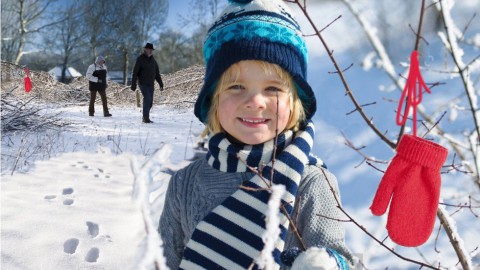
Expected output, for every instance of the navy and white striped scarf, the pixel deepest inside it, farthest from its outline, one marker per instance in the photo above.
(230, 237)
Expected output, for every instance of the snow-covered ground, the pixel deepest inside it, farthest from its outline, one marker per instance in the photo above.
(74, 210)
(68, 202)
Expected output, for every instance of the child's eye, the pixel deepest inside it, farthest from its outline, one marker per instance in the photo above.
(274, 89)
(236, 87)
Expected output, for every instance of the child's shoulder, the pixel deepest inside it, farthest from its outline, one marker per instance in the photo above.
(192, 167)
(319, 177)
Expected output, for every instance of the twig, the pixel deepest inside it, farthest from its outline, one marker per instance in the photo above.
(294, 228)
(364, 105)
(434, 125)
(465, 80)
(455, 242)
(340, 73)
(417, 45)
(358, 150)
(351, 219)
(464, 205)
(343, 70)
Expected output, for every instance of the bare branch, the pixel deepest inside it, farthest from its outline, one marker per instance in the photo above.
(343, 70)
(340, 73)
(351, 219)
(434, 125)
(364, 105)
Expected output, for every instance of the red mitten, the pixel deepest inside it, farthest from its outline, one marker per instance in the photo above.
(412, 181)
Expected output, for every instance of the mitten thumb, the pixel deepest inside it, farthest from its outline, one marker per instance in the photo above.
(387, 185)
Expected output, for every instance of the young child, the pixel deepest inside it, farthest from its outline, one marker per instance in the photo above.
(255, 88)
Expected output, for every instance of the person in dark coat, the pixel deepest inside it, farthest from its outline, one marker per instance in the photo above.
(147, 72)
(97, 80)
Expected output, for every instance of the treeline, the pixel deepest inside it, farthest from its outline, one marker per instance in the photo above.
(45, 33)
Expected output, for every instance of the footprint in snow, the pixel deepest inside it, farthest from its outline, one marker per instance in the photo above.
(92, 255)
(93, 229)
(65, 192)
(70, 246)
(68, 202)
(102, 174)
(68, 191)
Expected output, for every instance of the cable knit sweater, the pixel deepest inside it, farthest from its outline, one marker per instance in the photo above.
(198, 188)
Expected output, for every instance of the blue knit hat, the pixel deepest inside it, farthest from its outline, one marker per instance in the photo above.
(255, 30)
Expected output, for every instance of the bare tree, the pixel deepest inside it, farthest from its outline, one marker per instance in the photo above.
(132, 23)
(201, 14)
(23, 19)
(94, 25)
(152, 15)
(174, 50)
(67, 37)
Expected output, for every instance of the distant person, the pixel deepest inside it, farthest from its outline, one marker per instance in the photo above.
(97, 77)
(147, 72)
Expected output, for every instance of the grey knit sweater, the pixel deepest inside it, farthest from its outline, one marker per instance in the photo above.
(197, 189)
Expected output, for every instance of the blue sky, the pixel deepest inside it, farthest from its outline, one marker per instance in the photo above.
(176, 7)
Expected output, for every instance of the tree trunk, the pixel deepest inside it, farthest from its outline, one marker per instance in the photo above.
(22, 35)
(125, 68)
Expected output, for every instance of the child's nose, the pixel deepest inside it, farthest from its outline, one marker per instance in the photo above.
(255, 100)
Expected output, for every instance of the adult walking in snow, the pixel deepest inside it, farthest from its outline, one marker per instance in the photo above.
(97, 79)
(147, 72)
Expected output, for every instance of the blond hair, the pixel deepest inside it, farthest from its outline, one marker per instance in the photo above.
(297, 112)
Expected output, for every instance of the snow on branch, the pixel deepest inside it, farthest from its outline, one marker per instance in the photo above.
(272, 233)
(371, 33)
(144, 174)
(450, 40)
(450, 226)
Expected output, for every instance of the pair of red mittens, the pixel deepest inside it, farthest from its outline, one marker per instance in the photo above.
(412, 182)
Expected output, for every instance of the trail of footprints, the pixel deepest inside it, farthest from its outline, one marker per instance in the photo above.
(66, 196)
(97, 172)
(70, 245)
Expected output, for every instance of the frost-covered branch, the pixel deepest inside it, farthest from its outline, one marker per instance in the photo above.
(387, 66)
(380, 242)
(349, 92)
(152, 254)
(23, 114)
(449, 39)
(272, 226)
(457, 242)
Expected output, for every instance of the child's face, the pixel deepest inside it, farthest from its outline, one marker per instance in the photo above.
(247, 108)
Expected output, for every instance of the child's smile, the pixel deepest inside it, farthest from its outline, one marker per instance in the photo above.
(247, 107)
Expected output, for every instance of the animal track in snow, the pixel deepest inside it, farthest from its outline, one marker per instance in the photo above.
(68, 202)
(70, 246)
(92, 229)
(102, 174)
(92, 255)
(65, 192)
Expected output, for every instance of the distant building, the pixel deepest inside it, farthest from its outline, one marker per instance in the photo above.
(70, 73)
(117, 76)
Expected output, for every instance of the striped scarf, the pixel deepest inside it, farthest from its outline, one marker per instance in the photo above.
(230, 237)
